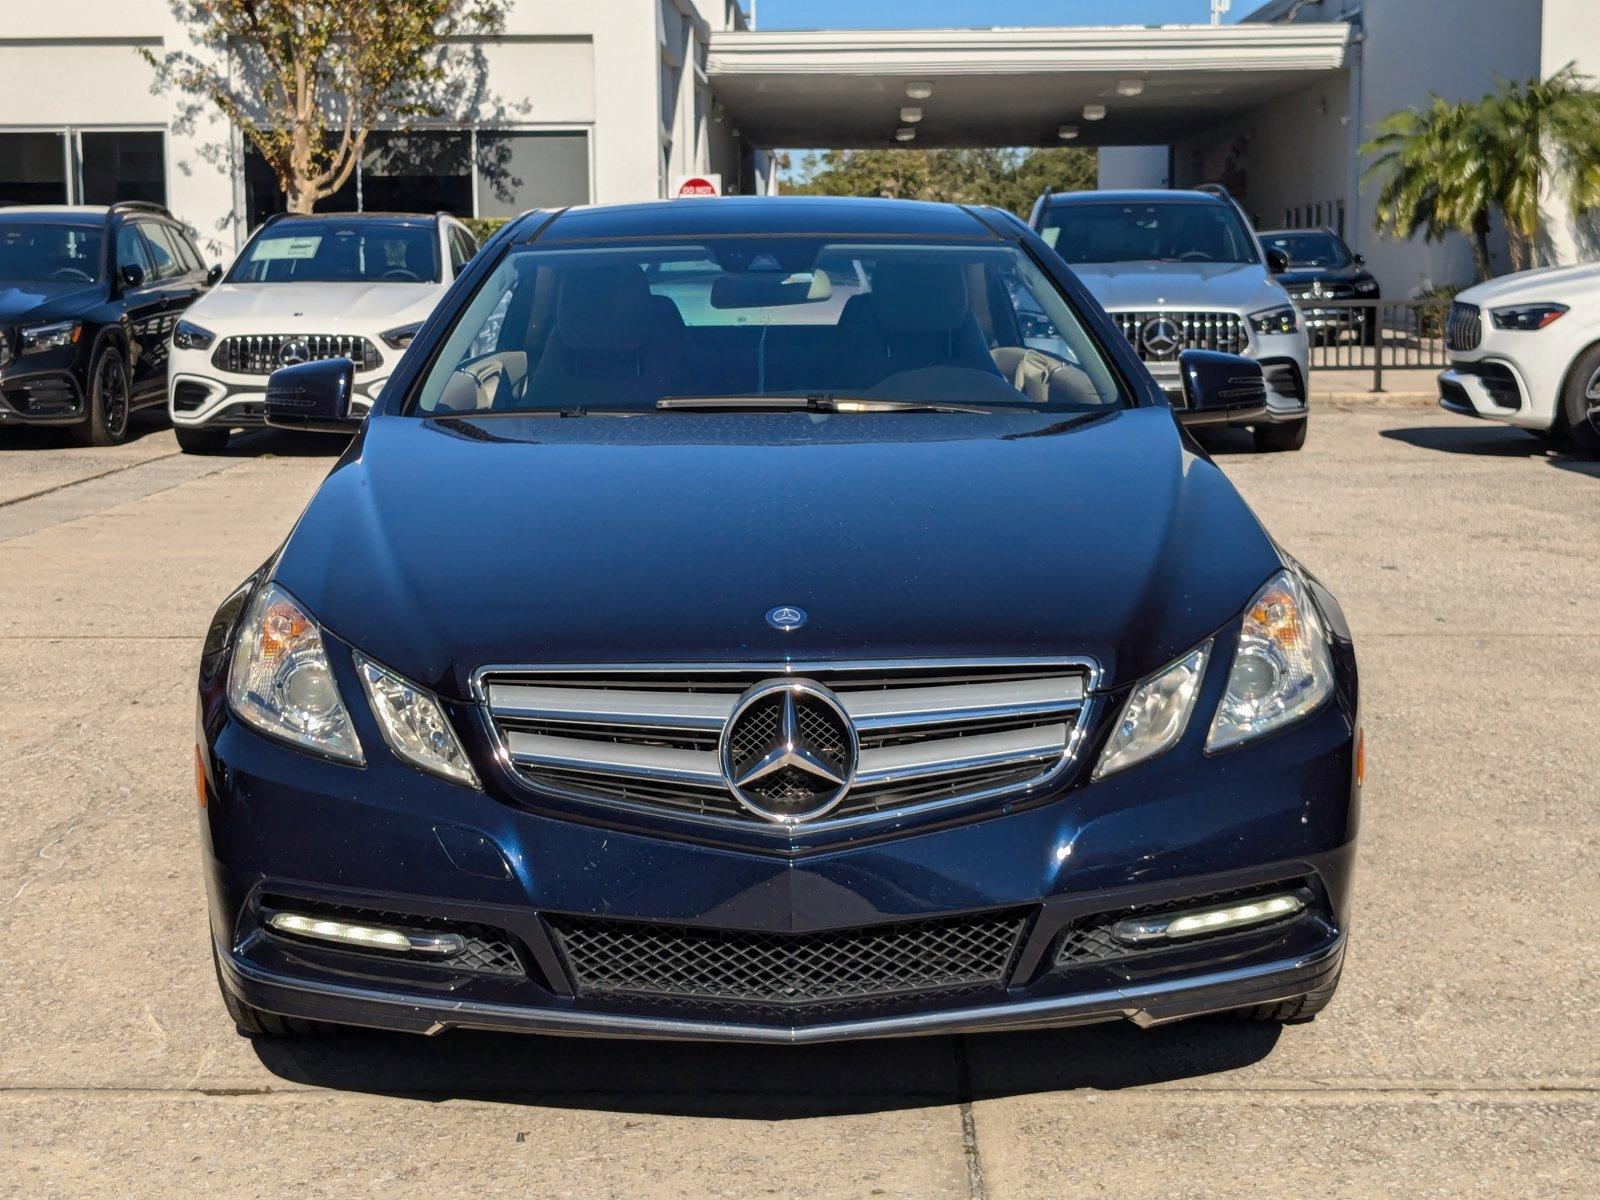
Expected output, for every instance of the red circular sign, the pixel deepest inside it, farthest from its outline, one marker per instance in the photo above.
(697, 186)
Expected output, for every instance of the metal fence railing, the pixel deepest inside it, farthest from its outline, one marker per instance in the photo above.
(1374, 335)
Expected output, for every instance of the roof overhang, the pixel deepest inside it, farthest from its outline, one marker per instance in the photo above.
(1011, 87)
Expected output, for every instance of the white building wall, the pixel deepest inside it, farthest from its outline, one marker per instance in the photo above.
(1571, 34)
(1133, 167)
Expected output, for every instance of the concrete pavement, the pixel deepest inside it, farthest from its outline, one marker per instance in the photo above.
(1458, 1060)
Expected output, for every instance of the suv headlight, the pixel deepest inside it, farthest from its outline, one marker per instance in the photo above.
(1283, 319)
(1282, 667)
(399, 339)
(1366, 285)
(280, 682)
(414, 724)
(1156, 714)
(189, 336)
(55, 336)
(1526, 317)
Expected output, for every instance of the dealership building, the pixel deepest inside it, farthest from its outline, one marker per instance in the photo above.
(600, 101)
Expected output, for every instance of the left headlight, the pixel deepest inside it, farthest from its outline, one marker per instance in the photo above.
(55, 336)
(279, 680)
(189, 336)
(414, 724)
(1283, 319)
(1282, 667)
(1156, 714)
(1526, 317)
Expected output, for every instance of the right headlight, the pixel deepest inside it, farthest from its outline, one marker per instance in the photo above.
(1283, 319)
(279, 680)
(414, 724)
(1282, 667)
(1156, 713)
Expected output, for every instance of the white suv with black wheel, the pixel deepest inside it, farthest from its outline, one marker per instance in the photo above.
(345, 285)
(1184, 270)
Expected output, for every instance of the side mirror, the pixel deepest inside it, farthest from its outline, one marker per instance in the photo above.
(1277, 261)
(313, 396)
(132, 275)
(1360, 260)
(214, 274)
(1222, 387)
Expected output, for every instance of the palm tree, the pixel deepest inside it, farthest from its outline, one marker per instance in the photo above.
(1432, 176)
(1522, 127)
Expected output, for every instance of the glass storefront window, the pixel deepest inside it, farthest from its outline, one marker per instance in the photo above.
(123, 165)
(33, 168)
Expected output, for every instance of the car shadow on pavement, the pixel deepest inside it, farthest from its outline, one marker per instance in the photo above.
(764, 1083)
(57, 437)
(1492, 441)
(279, 443)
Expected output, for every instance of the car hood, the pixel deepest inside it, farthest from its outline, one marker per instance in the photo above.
(1159, 285)
(1562, 284)
(314, 307)
(34, 301)
(440, 547)
(1296, 276)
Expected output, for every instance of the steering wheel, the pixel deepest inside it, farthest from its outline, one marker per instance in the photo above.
(1195, 256)
(402, 273)
(71, 275)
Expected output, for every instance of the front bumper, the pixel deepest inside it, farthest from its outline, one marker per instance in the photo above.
(33, 394)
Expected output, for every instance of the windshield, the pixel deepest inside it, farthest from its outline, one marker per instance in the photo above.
(340, 251)
(749, 319)
(49, 252)
(1163, 231)
(1310, 249)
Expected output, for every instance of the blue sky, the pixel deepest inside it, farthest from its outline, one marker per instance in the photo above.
(906, 14)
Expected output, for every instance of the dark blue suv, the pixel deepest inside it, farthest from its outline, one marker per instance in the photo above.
(735, 621)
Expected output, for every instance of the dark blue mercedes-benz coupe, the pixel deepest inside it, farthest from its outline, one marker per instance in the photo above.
(775, 620)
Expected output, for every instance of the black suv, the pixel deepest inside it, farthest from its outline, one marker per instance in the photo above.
(88, 299)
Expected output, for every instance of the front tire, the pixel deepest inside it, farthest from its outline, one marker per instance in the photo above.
(1582, 390)
(203, 439)
(1290, 435)
(110, 400)
(1295, 1011)
(255, 1022)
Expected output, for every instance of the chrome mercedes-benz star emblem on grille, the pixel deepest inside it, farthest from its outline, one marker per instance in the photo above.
(294, 352)
(786, 617)
(1161, 336)
(789, 750)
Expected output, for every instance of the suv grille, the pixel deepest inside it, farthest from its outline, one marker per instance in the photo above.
(1463, 328)
(1147, 333)
(627, 958)
(262, 354)
(652, 737)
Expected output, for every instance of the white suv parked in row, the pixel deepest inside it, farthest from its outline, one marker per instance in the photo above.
(1525, 349)
(337, 285)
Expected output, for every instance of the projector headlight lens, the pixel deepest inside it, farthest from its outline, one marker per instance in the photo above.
(414, 724)
(280, 682)
(1155, 715)
(1527, 317)
(1275, 320)
(1282, 667)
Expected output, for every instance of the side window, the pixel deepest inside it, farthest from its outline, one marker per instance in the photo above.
(131, 252)
(163, 246)
(188, 251)
(461, 249)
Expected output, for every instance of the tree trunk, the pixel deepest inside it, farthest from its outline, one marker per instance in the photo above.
(1480, 245)
(1521, 247)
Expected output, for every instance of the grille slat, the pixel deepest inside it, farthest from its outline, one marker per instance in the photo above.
(1223, 331)
(1463, 327)
(926, 733)
(623, 958)
(261, 354)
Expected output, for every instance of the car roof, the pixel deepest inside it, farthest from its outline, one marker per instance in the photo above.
(1134, 196)
(732, 215)
(74, 214)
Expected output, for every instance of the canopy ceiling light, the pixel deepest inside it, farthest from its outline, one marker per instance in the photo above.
(904, 134)
(1067, 132)
(1094, 112)
(1130, 87)
(911, 114)
(919, 91)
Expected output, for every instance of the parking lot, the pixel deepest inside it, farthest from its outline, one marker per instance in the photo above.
(1460, 1058)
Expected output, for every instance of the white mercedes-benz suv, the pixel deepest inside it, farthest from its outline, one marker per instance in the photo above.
(1184, 270)
(337, 285)
(1525, 349)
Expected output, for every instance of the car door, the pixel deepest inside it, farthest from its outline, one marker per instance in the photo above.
(180, 278)
(143, 307)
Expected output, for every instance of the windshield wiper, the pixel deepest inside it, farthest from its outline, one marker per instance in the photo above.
(815, 402)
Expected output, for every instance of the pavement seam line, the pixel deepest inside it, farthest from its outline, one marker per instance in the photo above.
(121, 503)
(72, 483)
(969, 1125)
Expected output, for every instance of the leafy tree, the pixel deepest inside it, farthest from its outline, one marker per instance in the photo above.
(306, 80)
(1449, 166)
(1007, 178)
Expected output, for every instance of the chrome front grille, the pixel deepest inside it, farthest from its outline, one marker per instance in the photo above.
(1463, 328)
(1223, 331)
(652, 737)
(262, 354)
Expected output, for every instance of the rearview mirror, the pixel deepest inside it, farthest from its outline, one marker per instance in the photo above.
(313, 396)
(1222, 387)
(1277, 261)
(770, 291)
